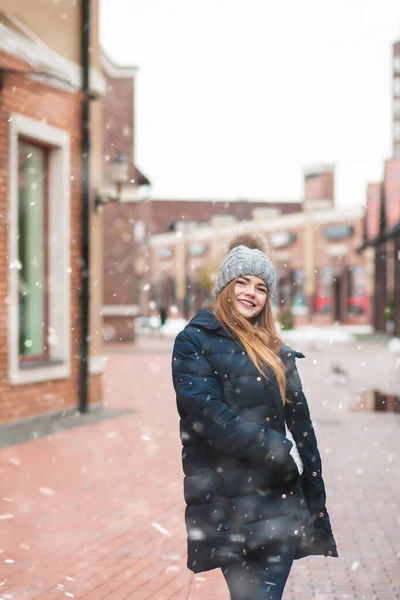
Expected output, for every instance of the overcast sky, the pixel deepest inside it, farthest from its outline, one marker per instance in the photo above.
(235, 97)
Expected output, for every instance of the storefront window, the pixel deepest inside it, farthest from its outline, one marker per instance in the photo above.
(357, 299)
(155, 294)
(283, 291)
(139, 292)
(299, 302)
(274, 302)
(323, 300)
(173, 298)
(32, 250)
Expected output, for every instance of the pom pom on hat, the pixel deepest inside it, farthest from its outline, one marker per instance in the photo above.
(246, 256)
(250, 239)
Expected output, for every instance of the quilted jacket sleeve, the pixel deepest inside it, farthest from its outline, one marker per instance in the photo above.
(199, 397)
(297, 414)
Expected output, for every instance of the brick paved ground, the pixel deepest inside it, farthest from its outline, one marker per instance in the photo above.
(97, 512)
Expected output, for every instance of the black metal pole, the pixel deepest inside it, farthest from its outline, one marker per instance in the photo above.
(85, 255)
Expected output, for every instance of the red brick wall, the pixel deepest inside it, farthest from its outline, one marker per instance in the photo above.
(392, 192)
(118, 106)
(119, 329)
(319, 186)
(374, 199)
(119, 253)
(62, 110)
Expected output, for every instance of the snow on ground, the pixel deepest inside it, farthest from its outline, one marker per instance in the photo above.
(394, 345)
(332, 334)
(173, 326)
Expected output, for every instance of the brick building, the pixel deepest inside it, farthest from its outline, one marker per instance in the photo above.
(320, 276)
(123, 230)
(128, 227)
(41, 199)
(381, 241)
(396, 100)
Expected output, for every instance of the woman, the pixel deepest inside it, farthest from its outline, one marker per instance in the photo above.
(253, 480)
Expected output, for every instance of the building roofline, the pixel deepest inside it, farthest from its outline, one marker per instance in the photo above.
(48, 67)
(269, 225)
(318, 169)
(115, 71)
(229, 200)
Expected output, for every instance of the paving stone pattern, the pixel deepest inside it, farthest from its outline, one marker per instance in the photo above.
(97, 512)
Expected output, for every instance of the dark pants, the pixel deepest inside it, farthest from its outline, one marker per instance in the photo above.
(262, 574)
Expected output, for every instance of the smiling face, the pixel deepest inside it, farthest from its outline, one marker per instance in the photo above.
(251, 295)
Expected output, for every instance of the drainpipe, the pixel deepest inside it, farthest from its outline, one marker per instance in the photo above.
(85, 256)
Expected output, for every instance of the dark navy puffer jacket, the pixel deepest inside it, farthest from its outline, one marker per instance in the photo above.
(235, 451)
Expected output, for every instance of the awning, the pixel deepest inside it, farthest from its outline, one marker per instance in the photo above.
(387, 235)
(141, 179)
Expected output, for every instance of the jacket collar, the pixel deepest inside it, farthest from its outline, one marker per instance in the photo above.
(205, 319)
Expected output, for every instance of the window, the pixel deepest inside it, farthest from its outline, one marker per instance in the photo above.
(299, 303)
(323, 300)
(396, 86)
(139, 284)
(338, 232)
(39, 252)
(155, 293)
(283, 290)
(163, 253)
(173, 297)
(396, 63)
(32, 250)
(396, 107)
(356, 297)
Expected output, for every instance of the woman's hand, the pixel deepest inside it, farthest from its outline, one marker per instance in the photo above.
(286, 475)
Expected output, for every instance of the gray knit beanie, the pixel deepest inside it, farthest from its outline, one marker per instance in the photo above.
(246, 256)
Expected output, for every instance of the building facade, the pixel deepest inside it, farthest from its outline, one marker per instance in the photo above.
(321, 278)
(124, 232)
(381, 244)
(396, 100)
(382, 226)
(41, 201)
(128, 227)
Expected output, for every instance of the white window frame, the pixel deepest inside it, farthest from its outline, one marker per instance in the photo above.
(58, 142)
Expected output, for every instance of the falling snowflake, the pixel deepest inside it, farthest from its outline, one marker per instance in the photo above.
(160, 528)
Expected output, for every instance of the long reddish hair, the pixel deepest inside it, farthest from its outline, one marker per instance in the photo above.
(259, 338)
